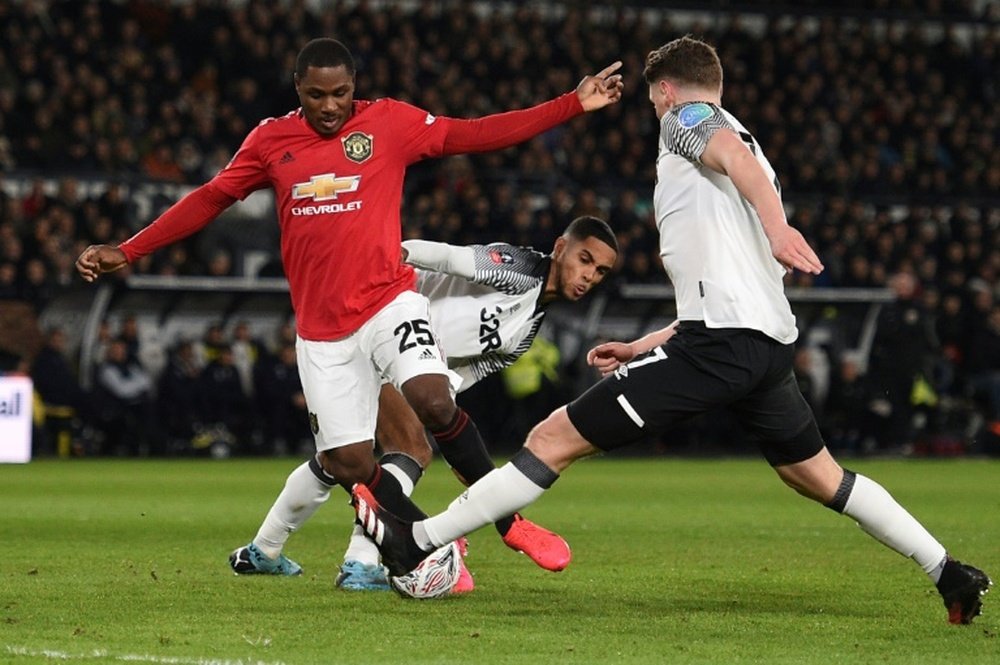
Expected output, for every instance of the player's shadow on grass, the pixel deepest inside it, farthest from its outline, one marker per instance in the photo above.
(596, 602)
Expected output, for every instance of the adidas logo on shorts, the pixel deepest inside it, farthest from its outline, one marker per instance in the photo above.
(427, 355)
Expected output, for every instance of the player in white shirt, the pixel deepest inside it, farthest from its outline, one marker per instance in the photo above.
(726, 245)
(487, 303)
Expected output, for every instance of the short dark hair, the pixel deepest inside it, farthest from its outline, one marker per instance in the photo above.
(587, 226)
(323, 52)
(687, 60)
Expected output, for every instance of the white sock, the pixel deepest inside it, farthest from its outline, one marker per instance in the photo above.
(878, 514)
(360, 547)
(302, 496)
(499, 493)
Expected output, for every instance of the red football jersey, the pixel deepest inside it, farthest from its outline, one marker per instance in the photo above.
(338, 200)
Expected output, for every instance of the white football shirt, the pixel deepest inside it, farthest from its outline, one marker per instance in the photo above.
(484, 302)
(712, 243)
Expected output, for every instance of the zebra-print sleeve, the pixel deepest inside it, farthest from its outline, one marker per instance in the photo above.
(509, 269)
(687, 129)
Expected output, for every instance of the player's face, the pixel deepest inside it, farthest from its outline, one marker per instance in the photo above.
(580, 265)
(326, 95)
(661, 97)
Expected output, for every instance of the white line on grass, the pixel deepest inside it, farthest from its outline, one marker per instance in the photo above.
(131, 657)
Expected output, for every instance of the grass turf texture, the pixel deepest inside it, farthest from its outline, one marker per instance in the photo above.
(674, 561)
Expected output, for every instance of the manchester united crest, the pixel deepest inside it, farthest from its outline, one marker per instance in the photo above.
(357, 146)
(313, 423)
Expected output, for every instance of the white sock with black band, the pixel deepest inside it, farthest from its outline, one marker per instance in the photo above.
(501, 492)
(881, 517)
(302, 496)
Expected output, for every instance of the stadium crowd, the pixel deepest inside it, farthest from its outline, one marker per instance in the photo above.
(881, 128)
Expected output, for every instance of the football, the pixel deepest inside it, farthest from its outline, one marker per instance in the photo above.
(433, 577)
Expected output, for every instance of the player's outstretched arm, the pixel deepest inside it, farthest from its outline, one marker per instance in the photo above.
(503, 130)
(180, 220)
(440, 257)
(99, 259)
(601, 89)
(726, 153)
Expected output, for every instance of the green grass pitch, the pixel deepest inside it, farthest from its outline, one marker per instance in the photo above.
(675, 561)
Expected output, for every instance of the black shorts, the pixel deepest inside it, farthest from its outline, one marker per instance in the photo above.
(700, 369)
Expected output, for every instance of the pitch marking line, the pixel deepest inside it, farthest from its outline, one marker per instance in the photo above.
(53, 654)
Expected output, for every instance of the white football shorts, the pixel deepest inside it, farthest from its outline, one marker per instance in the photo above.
(341, 379)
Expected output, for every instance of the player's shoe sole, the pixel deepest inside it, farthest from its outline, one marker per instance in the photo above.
(962, 588)
(545, 548)
(358, 576)
(249, 560)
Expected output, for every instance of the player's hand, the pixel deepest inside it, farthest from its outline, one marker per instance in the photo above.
(792, 251)
(601, 89)
(99, 259)
(608, 357)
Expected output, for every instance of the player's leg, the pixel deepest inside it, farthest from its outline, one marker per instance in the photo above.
(406, 453)
(657, 390)
(412, 359)
(613, 413)
(881, 516)
(803, 462)
(341, 388)
(503, 491)
(401, 344)
(465, 452)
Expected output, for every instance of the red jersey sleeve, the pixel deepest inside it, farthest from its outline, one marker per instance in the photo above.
(243, 175)
(415, 133)
(246, 172)
(191, 213)
(502, 130)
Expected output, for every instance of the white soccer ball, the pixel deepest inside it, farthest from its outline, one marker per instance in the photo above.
(433, 577)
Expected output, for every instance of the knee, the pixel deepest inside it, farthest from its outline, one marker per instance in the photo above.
(435, 410)
(817, 479)
(557, 443)
(348, 467)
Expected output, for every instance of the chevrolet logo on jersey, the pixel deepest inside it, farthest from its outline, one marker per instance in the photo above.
(325, 187)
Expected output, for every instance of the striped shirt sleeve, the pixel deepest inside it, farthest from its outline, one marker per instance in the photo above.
(508, 268)
(687, 129)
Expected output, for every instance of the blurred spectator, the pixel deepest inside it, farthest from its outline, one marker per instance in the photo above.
(984, 363)
(64, 403)
(222, 398)
(36, 288)
(282, 403)
(128, 333)
(247, 353)
(210, 347)
(123, 391)
(220, 264)
(846, 418)
(179, 396)
(901, 356)
(9, 289)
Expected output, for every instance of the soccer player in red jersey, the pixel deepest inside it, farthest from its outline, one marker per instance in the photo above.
(336, 166)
